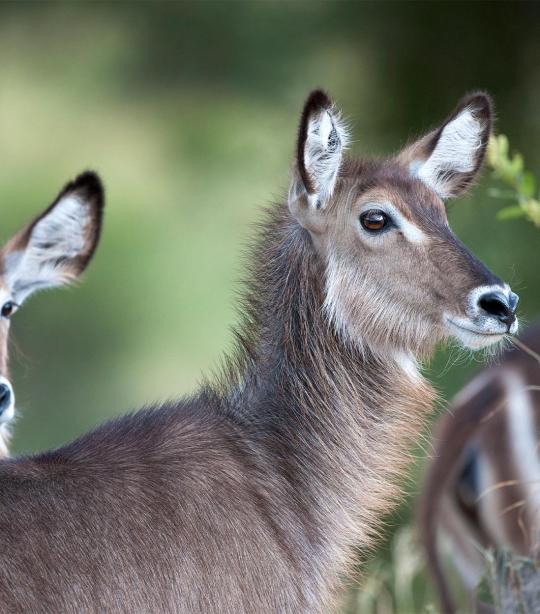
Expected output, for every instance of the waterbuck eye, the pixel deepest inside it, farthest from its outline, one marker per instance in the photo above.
(8, 309)
(374, 220)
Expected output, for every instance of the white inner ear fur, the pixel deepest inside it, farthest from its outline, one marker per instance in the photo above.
(323, 151)
(59, 236)
(456, 152)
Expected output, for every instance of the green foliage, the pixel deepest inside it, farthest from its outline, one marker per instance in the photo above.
(513, 583)
(510, 170)
(397, 585)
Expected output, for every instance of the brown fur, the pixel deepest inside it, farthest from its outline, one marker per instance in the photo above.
(252, 495)
(498, 517)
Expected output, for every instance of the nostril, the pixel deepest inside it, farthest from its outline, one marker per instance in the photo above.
(5, 397)
(496, 304)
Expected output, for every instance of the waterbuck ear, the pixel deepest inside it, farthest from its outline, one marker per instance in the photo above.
(58, 245)
(322, 137)
(449, 158)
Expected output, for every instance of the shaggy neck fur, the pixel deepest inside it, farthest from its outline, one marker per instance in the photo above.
(336, 422)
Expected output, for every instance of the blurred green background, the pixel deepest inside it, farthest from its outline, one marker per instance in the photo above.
(189, 112)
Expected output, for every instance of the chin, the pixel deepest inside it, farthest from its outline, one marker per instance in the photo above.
(477, 341)
(475, 336)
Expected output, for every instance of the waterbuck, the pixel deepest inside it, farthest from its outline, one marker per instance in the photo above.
(251, 495)
(483, 485)
(53, 250)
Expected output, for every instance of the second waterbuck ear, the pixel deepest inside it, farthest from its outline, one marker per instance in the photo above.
(322, 137)
(57, 246)
(449, 158)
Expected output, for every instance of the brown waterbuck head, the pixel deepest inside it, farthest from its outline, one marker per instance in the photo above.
(396, 275)
(53, 250)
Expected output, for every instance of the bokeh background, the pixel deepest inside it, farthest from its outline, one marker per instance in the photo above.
(189, 112)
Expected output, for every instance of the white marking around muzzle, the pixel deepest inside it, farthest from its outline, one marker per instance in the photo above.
(8, 413)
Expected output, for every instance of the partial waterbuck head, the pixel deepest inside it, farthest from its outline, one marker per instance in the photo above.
(397, 278)
(53, 250)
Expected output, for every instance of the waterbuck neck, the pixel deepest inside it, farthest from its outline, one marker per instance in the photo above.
(337, 418)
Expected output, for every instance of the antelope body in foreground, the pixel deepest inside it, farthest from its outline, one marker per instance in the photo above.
(53, 250)
(251, 495)
(483, 486)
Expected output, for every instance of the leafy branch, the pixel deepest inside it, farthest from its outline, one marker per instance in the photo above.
(510, 170)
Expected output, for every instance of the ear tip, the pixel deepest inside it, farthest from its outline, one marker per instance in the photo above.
(89, 185)
(481, 102)
(318, 99)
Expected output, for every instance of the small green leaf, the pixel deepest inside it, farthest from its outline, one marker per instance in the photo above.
(493, 152)
(516, 165)
(528, 185)
(502, 194)
(532, 208)
(511, 213)
(511, 172)
(503, 146)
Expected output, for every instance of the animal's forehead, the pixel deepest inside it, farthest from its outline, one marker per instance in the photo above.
(389, 182)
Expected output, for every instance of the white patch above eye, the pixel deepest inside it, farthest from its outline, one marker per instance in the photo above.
(456, 151)
(410, 231)
(5, 296)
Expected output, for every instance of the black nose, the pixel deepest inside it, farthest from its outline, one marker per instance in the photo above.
(5, 397)
(503, 308)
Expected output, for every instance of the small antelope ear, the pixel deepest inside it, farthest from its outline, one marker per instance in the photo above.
(58, 245)
(449, 158)
(322, 137)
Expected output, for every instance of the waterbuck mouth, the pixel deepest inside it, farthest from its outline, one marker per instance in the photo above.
(475, 337)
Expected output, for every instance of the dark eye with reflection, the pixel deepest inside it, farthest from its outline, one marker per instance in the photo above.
(8, 309)
(374, 220)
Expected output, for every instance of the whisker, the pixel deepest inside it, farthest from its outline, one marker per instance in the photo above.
(497, 486)
(513, 506)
